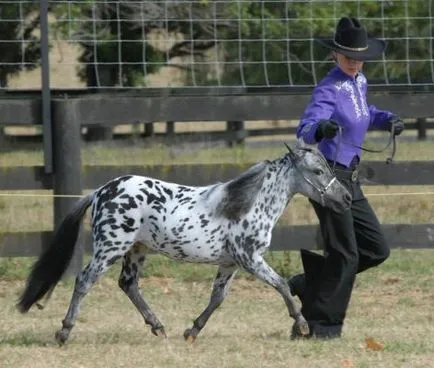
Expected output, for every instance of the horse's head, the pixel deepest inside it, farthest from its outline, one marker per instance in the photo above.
(315, 179)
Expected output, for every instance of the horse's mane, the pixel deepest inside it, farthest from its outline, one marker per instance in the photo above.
(240, 193)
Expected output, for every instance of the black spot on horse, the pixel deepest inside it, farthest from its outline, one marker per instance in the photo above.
(168, 192)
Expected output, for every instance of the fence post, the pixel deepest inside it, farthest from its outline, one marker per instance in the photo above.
(67, 169)
(421, 128)
(239, 132)
(148, 129)
(170, 129)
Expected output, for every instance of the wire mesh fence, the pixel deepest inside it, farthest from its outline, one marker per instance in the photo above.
(199, 43)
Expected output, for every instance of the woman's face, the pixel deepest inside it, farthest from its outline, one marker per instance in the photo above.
(349, 66)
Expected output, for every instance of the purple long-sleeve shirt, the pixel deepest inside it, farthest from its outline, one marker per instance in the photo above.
(343, 99)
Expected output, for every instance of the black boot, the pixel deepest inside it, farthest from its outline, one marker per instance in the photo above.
(317, 331)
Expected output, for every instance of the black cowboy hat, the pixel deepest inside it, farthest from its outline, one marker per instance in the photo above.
(351, 39)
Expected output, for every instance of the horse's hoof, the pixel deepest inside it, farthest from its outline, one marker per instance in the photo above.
(61, 336)
(159, 331)
(303, 327)
(189, 336)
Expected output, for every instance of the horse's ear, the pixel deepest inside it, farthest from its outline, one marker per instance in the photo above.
(292, 155)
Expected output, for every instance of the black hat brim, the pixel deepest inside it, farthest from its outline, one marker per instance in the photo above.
(375, 48)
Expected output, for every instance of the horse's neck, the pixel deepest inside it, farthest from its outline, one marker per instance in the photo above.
(276, 191)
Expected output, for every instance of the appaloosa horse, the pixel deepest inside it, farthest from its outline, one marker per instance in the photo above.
(227, 224)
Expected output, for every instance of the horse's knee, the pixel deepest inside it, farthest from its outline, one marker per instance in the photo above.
(125, 283)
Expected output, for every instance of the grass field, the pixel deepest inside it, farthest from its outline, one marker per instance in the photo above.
(390, 322)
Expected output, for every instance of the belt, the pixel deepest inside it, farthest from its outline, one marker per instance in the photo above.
(345, 173)
(352, 175)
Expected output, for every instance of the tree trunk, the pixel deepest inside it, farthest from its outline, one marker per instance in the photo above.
(99, 132)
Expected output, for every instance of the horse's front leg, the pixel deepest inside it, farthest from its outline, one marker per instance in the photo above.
(224, 277)
(256, 265)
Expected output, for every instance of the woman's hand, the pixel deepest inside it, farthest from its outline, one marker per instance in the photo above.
(326, 129)
(397, 124)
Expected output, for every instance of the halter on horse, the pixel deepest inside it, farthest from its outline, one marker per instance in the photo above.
(227, 224)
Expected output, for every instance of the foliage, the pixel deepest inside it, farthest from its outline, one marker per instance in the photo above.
(283, 61)
(18, 22)
(120, 62)
(261, 43)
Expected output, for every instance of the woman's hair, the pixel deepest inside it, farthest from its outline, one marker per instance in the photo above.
(333, 56)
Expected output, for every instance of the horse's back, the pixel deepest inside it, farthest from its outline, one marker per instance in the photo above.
(176, 220)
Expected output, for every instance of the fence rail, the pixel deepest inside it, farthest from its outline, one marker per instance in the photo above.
(71, 112)
(375, 172)
(284, 238)
(415, 236)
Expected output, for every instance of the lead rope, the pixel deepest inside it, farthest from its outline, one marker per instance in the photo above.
(392, 141)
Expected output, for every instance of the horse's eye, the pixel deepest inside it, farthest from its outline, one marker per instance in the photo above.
(318, 172)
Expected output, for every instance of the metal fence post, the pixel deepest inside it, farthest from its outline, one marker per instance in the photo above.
(45, 87)
(67, 169)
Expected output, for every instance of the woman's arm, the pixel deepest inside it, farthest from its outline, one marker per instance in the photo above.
(379, 118)
(321, 107)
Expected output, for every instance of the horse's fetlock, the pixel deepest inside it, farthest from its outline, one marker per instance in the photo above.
(67, 325)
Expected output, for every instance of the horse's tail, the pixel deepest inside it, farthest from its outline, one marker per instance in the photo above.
(51, 265)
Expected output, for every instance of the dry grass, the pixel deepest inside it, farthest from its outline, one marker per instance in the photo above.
(392, 304)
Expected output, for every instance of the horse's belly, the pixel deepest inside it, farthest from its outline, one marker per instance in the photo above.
(191, 247)
(190, 252)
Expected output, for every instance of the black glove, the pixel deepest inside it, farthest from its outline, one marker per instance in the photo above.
(326, 129)
(397, 123)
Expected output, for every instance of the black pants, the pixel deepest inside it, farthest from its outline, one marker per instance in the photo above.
(353, 242)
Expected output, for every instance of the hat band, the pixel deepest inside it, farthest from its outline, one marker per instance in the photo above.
(350, 48)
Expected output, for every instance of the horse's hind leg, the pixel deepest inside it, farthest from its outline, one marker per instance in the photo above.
(222, 282)
(257, 266)
(128, 282)
(83, 283)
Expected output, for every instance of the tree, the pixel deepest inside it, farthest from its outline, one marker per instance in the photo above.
(114, 39)
(23, 52)
(18, 23)
(253, 42)
(251, 61)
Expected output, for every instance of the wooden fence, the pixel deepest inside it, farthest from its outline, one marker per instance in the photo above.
(284, 238)
(69, 177)
(235, 109)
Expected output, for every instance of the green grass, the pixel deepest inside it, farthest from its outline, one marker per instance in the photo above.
(284, 262)
(403, 264)
(145, 153)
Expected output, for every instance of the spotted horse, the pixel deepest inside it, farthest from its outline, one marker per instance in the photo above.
(227, 224)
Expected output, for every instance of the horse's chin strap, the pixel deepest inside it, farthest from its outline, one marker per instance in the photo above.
(392, 141)
(321, 191)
